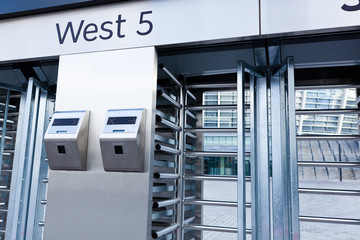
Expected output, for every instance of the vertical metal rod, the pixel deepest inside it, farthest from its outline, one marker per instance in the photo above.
(285, 160)
(32, 230)
(262, 159)
(279, 158)
(253, 165)
(181, 167)
(19, 163)
(294, 182)
(3, 134)
(28, 165)
(340, 169)
(241, 210)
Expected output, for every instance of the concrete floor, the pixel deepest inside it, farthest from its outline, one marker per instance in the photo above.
(310, 205)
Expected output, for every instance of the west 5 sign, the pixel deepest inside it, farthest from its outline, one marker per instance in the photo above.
(283, 16)
(128, 24)
(105, 31)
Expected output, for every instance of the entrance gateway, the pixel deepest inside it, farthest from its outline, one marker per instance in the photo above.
(153, 141)
(128, 154)
(161, 178)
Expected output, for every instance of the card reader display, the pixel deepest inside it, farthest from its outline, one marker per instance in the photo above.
(66, 140)
(122, 140)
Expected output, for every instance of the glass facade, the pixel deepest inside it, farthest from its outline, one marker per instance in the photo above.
(325, 124)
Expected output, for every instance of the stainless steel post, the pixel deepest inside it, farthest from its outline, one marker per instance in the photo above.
(241, 211)
(262, 179)
(294, 182)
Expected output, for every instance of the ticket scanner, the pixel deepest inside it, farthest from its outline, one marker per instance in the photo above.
(122, 140)
(66, 140)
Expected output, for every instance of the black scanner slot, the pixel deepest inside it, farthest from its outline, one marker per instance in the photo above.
(61, 149)
(118, 149)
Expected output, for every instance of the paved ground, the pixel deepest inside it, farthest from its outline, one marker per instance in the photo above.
(314, 205)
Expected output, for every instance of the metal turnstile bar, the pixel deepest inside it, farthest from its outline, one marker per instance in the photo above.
(190, 114)
(166, 116)
(210, 203)
(9, 131)
(159, 233)
(213, 228)
(329, 220)
(162, 148)
(211, 178)
(10, 114)
(327, 111)
(210, 228)
(210, 107)
(211, 130)
(7, 121)
(190, 135)
(189, 220)
(213, 86)
(12, 107)
(165, 203)
(169, 99)
(162, 67)
(192, 201)
(326, 137)
(210, 154)
(158, 175)
(7, 137)
(328, 164)
(329, 191)
(188, 93)
(167, 123)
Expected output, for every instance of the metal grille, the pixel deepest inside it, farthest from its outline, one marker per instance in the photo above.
(328, 152)
(182, 120)
(168, 160)
(9, 112)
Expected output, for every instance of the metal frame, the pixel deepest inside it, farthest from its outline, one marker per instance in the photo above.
(241, 187)
(29, 167)
(3, 133)
(284, 152)
(19, 163)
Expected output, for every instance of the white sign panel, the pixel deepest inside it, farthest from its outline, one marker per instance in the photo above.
(281, 16)
(127, 25)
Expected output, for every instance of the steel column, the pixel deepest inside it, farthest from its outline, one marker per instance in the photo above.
(33, 231)
(294, 182)
(262, 177)
(19, 163)
(253, 163)
(241, 211)
(280, 199)
(28, 167)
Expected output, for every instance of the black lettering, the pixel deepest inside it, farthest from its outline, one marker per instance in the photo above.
(87, 31)
(69, 26)
(141, 21)
(119, 21)
(351, 8)
(106, 30)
